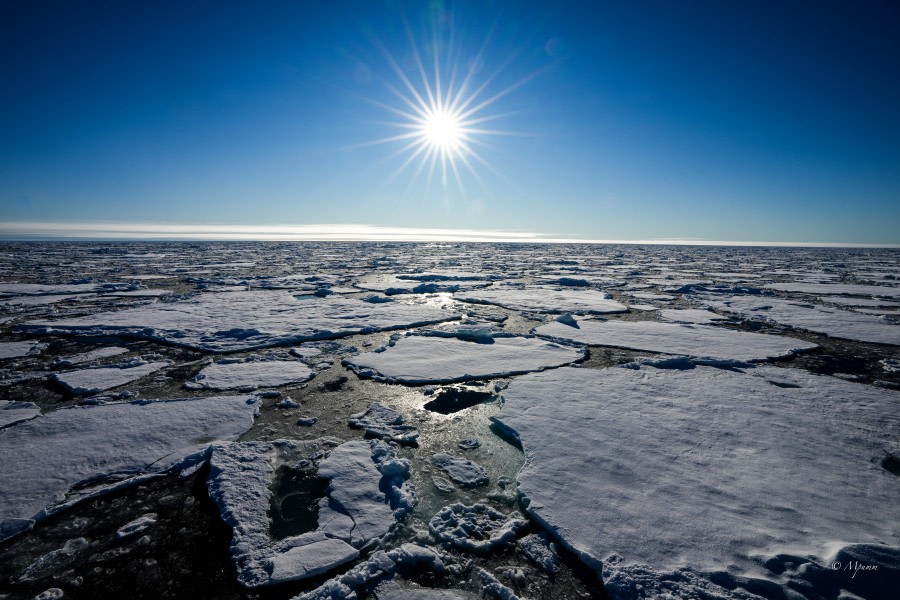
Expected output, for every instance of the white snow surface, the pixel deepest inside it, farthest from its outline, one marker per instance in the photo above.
(696, 341)
(833, 322)
(690, 315)
(437, 359)
(545, 299)
(97, 379)
(704, 467)
(14, 411)
(837, 288)
(366, 478)
(235, 321)
(20, 349)
(45, 457)
(252, 373)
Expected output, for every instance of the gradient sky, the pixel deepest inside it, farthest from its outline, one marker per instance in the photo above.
(753, 121)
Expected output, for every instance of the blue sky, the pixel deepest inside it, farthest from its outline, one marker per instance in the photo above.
(762, 121)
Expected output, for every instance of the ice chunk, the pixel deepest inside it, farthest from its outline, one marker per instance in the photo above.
(830, 321)
(461, 470)
(44, 458)
(690, 340)
(690, 315)
(90, 356)
(20, 349)
(267, 318)
(137, 526)
(97, 379)
(719, 468)
(545, 299)
(837, 289)
(14, 411)
(541, 552)
(476, 528)
(251, 374)
(430, 359)
(39, 289)
(383, 422)
(362, 503)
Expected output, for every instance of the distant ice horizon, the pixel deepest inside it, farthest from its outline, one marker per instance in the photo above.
(99, 231)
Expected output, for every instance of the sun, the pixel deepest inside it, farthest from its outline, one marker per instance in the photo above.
(443, 130)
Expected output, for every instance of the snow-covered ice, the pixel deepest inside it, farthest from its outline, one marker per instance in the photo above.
(698, 341)
(461, 470)
(837, 289)
(229, 375)
(366, 496)
(706, 468)
(20, 349)
(383, 422)
(436, 359)
(234, 321)
(98, 379)
(690, 315)
(833, 322)
(13, 412)
(90, 356)
(47, 456)
(475, 528)
(545, 299)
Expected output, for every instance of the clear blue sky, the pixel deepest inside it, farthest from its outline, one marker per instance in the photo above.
(762, 121)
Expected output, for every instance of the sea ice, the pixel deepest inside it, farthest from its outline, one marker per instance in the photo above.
(365, 497)
(47, 456)
(837, 289)
(229, 375)
(20, 349)
(235, 321)
(545, 299)
(13, 412)
(833, 322)
(432, 359)
(383, 422)
(721, 469)
(476, 528)
(461, 470)
(98, 379)
(690, 315)
(671, 338)
(90, 356)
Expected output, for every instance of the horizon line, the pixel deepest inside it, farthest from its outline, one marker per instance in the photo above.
(75, 231)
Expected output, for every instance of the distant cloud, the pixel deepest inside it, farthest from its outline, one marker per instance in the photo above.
(35, 230)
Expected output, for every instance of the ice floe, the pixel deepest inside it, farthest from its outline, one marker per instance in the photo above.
(383, 422)
(690, 315)
(90, 356)
(20, 349)
(88, 447)
(422, 359)
(837, 288)
(365, 497)
(461, 470)
(545, 299)
(674, 338)
(14, 411)
(229, 375)
(98, 379)
(833, 322)
(475, 528)
(234, 321)
(719, 469)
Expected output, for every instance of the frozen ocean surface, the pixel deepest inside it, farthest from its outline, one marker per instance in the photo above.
(448, 420)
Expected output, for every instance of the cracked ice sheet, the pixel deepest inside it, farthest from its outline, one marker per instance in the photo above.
(38, 289)
(545, 299)
(48, 455)
(267, 318)
(717, 468)
(364, 475)
(256, 373)
(13, 412)
(98, 379)
(837, 288)
(830, 321)
(673, 338)
(432, 359)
